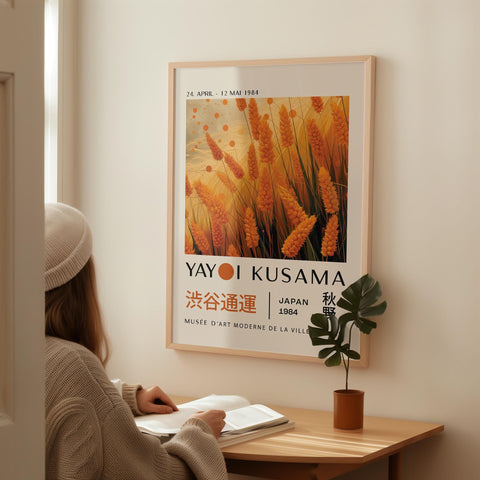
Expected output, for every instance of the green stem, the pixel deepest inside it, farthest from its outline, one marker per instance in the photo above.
(347, 368)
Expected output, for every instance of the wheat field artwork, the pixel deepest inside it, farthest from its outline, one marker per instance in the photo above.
(267, 177)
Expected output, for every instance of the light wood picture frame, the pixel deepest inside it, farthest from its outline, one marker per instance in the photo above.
(269, 201)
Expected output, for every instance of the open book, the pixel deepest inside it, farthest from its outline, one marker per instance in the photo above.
(243, 420)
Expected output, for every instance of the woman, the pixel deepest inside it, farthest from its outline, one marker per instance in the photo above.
(90, 429)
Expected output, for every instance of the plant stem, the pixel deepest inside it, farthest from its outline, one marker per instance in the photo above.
(348, 371)
(347, 368)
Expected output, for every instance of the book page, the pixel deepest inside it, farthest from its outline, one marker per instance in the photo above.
(250, 417)
(216, 402)
(233, 438)
(164, 424)
(170, 423)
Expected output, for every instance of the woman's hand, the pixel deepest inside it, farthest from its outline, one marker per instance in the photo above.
(214, 419)
(154, 400)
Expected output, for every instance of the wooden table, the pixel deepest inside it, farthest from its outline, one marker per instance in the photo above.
(314, 450)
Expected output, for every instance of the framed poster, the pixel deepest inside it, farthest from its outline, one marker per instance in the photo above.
(269, 200)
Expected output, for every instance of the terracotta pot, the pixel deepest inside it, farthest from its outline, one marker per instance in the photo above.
(348, 409)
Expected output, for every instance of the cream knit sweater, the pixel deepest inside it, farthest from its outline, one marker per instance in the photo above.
(91, 433)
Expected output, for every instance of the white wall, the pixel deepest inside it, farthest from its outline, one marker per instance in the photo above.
(425, 217)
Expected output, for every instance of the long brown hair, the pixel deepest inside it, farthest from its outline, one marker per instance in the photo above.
(72, 312)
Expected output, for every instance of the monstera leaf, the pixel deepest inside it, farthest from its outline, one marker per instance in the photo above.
(329, 330)
(358, 300)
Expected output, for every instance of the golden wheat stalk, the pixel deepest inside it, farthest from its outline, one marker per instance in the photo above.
(294, 211)
(328, 191)
(316, 141)
(227, 182)
(317, 104)
(340, 124)
(286, 134)
(200, 239)
(297, 238)
(213, 204)
(329, 243)
(267, 154)
(252, 162)
(251, 232)
(254, 117)
(214, 148)
(241, 104)
(265, 191)
(234, 166)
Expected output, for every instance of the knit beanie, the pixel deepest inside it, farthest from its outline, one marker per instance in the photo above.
(68, 244)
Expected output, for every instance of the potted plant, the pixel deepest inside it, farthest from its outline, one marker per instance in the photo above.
(335, 337)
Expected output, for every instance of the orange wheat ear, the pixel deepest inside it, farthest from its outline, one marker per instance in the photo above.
(297, 169)
(329, 243)
(241, 104)
(297, 238)
(316, 141)
(286, 133)
(200, 239)
(251, 232)
(232, 251)
(213, 204)
(340, 124)
(227, 182)
(217, 234)
(265, 191)
(294, 211)
(267, 154)
(254, 117)
(252, 162)
(214, 148)
(328, 191)
(234, 166)
(317, 104)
